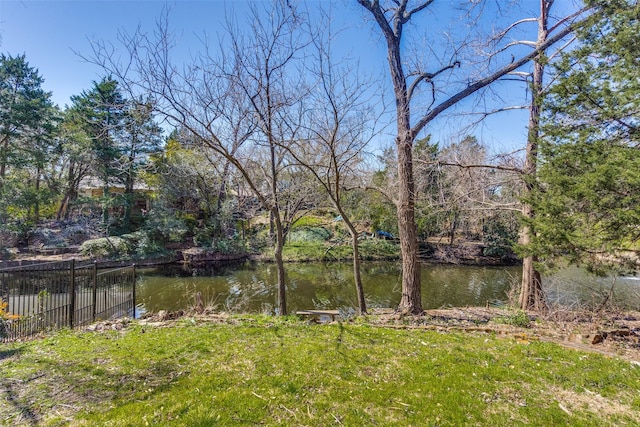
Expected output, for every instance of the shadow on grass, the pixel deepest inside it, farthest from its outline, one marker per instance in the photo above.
(5, 354)
(26, 412)
(82, 384)
(12, 389)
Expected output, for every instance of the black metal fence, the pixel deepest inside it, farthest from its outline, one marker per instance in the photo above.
(54, 295)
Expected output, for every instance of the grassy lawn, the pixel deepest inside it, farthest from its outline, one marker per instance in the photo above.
(267, 371)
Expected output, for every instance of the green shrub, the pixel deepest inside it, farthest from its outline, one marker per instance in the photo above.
(105, 247)
(499, 236)
(190, 221)
(163, 226)
(316, 251)
(379, 249)
(518, 318)
(143, 243)
(258, 238)
(322, 251)
(307, 221)
(229, 246)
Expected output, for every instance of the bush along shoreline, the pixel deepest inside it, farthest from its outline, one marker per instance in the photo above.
(125, 249)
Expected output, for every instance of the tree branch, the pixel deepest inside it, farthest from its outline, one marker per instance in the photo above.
(407, 15)
(511, 27)
(479, 84)
(477, 166)
(428, 76)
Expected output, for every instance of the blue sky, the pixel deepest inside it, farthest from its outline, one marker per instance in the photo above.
(50, 32)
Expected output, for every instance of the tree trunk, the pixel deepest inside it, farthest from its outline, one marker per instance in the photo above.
(63, 210)
(272, 227)
(453, 228)
(531, 293)
(128, 198)
(362, 305)
(411, 301)
(222, 190)
(282, 288)
(74, 176)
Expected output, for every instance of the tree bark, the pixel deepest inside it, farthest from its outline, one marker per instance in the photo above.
(532, 295)
(362, 305)
(453, 228)
(531, 292)
(69, 194)
(74, 176)
(411, 301)
(282, 287)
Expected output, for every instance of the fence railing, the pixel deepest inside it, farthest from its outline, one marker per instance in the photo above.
(54, 295)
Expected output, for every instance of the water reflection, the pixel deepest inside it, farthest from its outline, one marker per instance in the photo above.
(573, 287)
(251, 286)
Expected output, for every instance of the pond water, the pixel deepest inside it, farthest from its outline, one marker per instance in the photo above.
(250, 287)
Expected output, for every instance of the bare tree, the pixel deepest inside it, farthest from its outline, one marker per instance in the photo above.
(338, 126)
(236, 103)
(263, 69)
(461, 188)
(391, 18)
(466, 188)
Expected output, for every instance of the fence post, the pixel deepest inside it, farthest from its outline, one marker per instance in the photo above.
(72, 292)
(4, 296)
(134, 292)
(5, 286)
(94, 279)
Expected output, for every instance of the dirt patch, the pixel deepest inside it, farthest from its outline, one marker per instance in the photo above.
(612, 333)
(571, 401)
(615, 334)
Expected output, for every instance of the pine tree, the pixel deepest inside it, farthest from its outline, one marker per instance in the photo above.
(101, 112)
(27, 123)
(588, 203)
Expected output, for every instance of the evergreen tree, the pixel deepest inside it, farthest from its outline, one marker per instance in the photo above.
(101, 112)
(141, 136)
(27, 122)
(75, 159)
(119, 134)
(588, 203)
